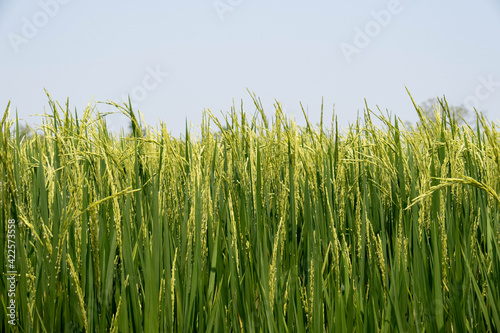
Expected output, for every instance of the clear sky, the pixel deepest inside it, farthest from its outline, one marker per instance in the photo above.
(176, 58)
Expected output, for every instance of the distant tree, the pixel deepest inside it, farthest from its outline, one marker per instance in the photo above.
(24, 130)
(408, 124)
(131, 131)
(432, 105)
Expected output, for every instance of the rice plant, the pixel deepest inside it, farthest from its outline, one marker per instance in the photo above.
(252, 225)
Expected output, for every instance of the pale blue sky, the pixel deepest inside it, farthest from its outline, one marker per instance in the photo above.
(288, 50)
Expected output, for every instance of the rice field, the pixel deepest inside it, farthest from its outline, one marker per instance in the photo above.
(252, 224)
